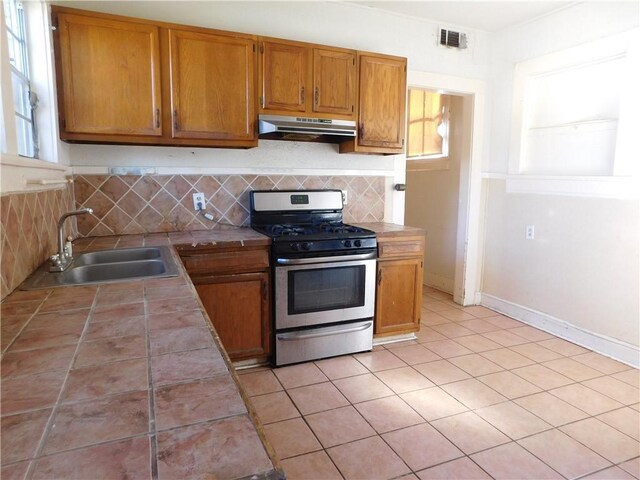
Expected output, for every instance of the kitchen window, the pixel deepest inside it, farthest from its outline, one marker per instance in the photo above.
(25, 100)
(428, 124)
(575, 121)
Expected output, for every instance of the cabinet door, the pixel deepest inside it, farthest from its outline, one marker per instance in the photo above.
(284, 71)
(398, 296)
(383, 85)
(110, 74)
(212, 86)
(334, 81)
(238, 306)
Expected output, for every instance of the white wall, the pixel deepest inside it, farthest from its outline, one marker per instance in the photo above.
(582, 267)
(328, 23)
(431, 202)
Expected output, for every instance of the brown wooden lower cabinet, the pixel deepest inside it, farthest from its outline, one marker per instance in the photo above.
(234, 287)
(399, 286)
(238, 306)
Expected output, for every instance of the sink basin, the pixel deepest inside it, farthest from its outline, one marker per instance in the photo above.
(118, 255)
(107, 266)
(115, 271)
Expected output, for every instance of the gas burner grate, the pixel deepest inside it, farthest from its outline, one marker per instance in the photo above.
(279, 230)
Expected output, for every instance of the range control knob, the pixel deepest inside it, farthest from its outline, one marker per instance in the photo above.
(306, 246)
(347, 243)
(294, 246)
(357, 243)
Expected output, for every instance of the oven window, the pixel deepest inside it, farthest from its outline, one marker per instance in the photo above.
(322, 289)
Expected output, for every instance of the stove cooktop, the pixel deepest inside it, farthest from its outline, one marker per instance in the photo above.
(307, 221)
(330, 230)
(327, 237)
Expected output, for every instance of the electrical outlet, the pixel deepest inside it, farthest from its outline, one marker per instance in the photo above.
(530, 232)
(199, 202)
(345, 197)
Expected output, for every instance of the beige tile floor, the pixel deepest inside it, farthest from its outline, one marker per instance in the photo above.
(477, 396)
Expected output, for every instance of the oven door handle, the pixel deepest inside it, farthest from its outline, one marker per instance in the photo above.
(338, 331)
(337, 258)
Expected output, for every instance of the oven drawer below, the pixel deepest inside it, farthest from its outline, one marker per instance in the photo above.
(311, 344)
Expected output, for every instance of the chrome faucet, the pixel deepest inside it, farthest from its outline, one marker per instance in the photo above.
(61, 260)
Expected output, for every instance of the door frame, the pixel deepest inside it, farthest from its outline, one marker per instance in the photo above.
(469, 236)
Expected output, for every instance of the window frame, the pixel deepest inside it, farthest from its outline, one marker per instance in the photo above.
(440, 160)
(625, 171)
(41, 68)
(27, 140)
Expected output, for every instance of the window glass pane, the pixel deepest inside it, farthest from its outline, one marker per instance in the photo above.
(20, 96)
(25, 137)
(416, 103)
(425, 115)
(322, 289)
(414, 145)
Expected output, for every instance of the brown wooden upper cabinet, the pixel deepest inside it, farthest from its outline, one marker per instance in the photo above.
(127, 80)
(212, 95)
(111, 76)
(381, 105)
(284, 71)
(304, 79)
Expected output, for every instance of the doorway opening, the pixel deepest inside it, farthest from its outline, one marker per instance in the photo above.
(443, 194)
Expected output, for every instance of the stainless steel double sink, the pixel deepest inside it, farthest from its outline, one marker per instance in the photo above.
(108, 266)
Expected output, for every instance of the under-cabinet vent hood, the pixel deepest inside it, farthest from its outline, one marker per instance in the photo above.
(305, 129)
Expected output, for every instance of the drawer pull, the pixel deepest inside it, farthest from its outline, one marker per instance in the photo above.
(300, 336)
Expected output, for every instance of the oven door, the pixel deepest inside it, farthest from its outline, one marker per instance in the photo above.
(313, 291)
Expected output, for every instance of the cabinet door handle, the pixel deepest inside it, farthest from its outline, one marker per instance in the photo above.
(157, 118)
(379, 278)
(302, 94)
(316, 95)
(175, 120)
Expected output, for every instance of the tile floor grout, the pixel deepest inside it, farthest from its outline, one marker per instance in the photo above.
(507, 400)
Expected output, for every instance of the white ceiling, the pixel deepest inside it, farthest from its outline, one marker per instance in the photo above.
(480, 15)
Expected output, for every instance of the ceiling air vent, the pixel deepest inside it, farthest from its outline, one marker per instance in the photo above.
(449, 38)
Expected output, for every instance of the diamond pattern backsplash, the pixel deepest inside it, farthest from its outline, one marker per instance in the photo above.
(164, 203)
(29, 232)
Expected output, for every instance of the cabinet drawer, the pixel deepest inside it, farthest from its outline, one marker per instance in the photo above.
(401, 248)
(227, 262)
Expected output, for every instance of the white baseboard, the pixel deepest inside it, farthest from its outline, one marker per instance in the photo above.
(610, 347)
(444, 284)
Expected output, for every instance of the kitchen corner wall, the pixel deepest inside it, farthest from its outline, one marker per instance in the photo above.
(28, 232)
(125, 204)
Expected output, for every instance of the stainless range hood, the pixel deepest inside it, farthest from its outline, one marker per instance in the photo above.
(305, 129)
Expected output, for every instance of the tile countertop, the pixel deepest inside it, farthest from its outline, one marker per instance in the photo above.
(125, 380)
(387, 230)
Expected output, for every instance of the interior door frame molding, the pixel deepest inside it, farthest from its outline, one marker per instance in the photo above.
(470, 234)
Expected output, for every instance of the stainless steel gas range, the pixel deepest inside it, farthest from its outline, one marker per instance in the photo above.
(323, 271)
